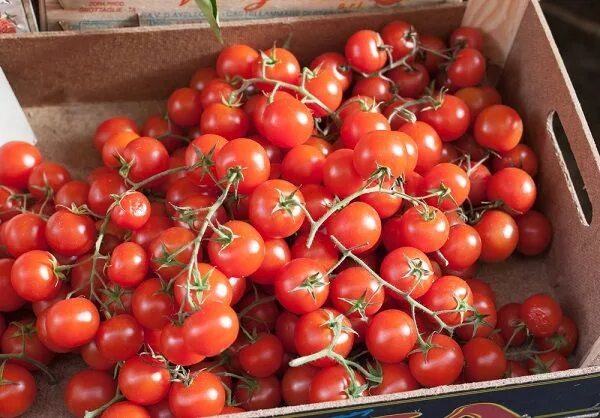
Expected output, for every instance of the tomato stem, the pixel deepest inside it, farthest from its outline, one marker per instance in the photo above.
(97, 412)
(39, 365)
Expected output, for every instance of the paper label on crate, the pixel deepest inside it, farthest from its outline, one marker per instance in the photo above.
(12, 17)
(14, 125)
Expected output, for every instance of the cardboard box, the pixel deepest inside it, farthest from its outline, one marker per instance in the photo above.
(95, 75)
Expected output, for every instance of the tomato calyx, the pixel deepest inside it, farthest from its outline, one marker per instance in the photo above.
(360, 305)
(476, 320)
(225, 236)
(375, 376)
(540, 366)
(287, 202)
(418, 269)
(311, 283)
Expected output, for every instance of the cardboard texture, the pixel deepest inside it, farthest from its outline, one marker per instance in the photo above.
(131, 72)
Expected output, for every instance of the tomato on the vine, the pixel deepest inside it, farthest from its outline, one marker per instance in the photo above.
(391, 335)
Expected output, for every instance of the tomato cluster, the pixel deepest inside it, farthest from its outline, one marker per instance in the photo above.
(284, 235)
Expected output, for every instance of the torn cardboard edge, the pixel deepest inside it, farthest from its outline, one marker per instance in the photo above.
(14, 125)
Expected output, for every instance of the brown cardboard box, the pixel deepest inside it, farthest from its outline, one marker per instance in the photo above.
(95, 75)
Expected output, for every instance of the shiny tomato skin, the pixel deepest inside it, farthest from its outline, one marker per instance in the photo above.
(381, 149)
(450, 120)
(74, 192)
(72, 322)
(314, 332)
(363, 51)
(499, 128)
(514, 188)
(25, 232)
(332, 384)
(88, 390)
(287, 123)
(535, 233)
(429, 144)
(463, 247)
(94, 359)
(360, 123)
(467, 68)
(212, 329)
(447, 293)
(441, 365)
(204, 396)
(248, 156)
(541, 314)
(336, 63)
(262, 357)
(128, 265)
(302, 286)
(101, 189)
(184, 107)
(295, 384)
(17, 396)
(396, 378)
(17, 161)
(132, 212)
(486, 309)
(357, 227)
(339, 175)
(303, 164)
(173, 346)
(120, 337)
(167, 243)
(21, 337)
(147, 157)
(499, 236)
(144, 380)
(236, 61)
(152, 304)
(427, 232)
(521, 156)
(401, 36)
(277, 255)
(397, 269)
(510, 324)
(70, 234)
(111, 126)
(33, 276)
(391, 335)
(450, 176)
(355, 293)
(211, 285)
(484, 360)
(285, 67)
(246, 244)
(228, 121)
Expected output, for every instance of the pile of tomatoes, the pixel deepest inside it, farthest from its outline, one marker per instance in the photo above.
(282, 236)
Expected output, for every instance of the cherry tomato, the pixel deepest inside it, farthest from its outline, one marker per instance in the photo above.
(484, 318)
(323, 84)
(303, 165)
(214, 91)
(226, 120)
(339, 174)
(410, 82)
(535, 233)
(120, 337)
(302, 286)
(563, 340)
(499, 128)
(479, 177)
(521, 156)
(236, 61)
(401, 36)
(276, 64)
(481, 287)
(165, 131)
(110, 127)
(202, 150)
(94, 359)
(72, 323)
(510, 324)
(144, 380)
(390, 336)
(295, 384)
(450, 120)
(203, 396)
(262, 357)
(207, 284)
(101, 191)
(18, 390)
(34, 276)
(128, 265)
(316, 330)
(356, 293)
(275, 209)
(125, 409)
(357, 227)
(385, 204)
(364, 51)
(146, 157)
(46, 178)
(396, 378)
(408, 270)
(499, 236)
(484, 360)
(381, 150)
(334, 384)
(116, 300)
(429, 144)
(335, 63)
(248, 159)
(151, 230)
(379, 88)
(514, 187)
(463, 247)
(285, 327)
(241, 242)
(70, 234)
(541, 314)
(515, 369)
(478, 98)
(17, 161)
(170, 250)
(184, 107)
(430, 60)
(287, 123)
(547, 363)
(174, 348)
(74, 192)
(449, 179)
(426, 230)
(258, 393)
(88, 390)
(439, 363)
(25, 232)
(449, 293)
(152, 304)
(277, 255)
(212, 329)
(468, 37)
(132, 211)
(356, 125)
(112, 151)
(202, 77)
(467, 69)
(21, 337)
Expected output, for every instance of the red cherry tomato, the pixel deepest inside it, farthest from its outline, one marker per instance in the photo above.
(302, 286)
(356, 227)
(541, 314)
(563, 340)
(204, 395)
(521, 156)
(184, 107)
(144, 380)
(463, 247)
(120, 337)
(236, 61)
(335, 63)
(356, 293)
(88, 390)
(484, 360)
(334, 384)
(450, 293)
(510, 324)
(440, 363)
(339, 174)
(295, 384)
(212, 329)
(17, 161)
(499, 236)
(364, 51)
(263, 356)
(391, 335)
(514, 188)
(450, 120)
(408, 270)
(499, 128)
(426, 230)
